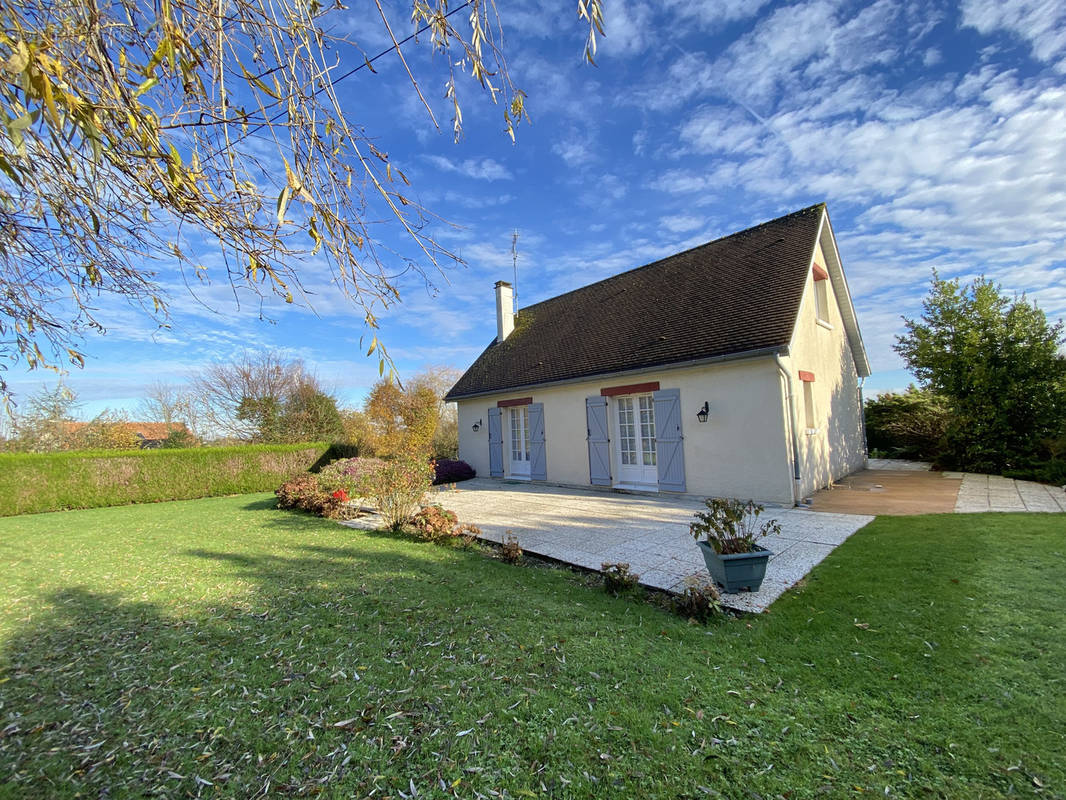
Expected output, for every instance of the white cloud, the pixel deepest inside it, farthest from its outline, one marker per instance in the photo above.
(627, 28)
(713, 15)
(573, 151)
(482, 169)
(1040, 23)
(717, 129)
(682, 223)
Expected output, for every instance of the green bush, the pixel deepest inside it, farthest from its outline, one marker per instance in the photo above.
(36, 482)
(909, 424)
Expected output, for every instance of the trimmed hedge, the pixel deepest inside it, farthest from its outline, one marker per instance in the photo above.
(35, 482)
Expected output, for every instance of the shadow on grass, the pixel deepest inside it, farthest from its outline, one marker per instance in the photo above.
(104, 695)
(373, 667)
(266, 504)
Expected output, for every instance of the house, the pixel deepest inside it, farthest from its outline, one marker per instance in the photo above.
(146, 435)
(733, 370)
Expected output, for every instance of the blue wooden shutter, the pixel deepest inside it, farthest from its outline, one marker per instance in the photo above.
(599, 442)
(669, 450)
(538, 461)
(495, 443)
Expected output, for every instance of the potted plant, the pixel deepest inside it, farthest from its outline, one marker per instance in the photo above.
(727, 533)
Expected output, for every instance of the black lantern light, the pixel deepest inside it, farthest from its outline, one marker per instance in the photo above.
(704, 412)
(476, 426)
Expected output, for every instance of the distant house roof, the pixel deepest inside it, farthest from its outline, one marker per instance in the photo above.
(145, 430)
(735, 295)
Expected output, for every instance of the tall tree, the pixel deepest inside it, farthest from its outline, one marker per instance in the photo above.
(997, 361)
(170, 404)
(242, 399)
(139, 134)
(401, 419)
(46, 420)
(310, 415)
(439, 379)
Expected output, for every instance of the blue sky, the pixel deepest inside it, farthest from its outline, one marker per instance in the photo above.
(935, 132)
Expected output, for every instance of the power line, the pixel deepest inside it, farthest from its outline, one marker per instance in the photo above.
(366, 63)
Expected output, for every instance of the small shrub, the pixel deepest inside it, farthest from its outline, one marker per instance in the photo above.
(397, 487)
(510, 550)
(618, 579)
(348, 474)
(468, 534)
(731, 526)
(448, 470)
(700, 600)
(303, 492)
(435, 522)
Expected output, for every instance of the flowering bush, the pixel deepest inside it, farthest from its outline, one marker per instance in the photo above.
(449, 470)
(397, 487)
(347, 474)
(435, 522)
(304, 492)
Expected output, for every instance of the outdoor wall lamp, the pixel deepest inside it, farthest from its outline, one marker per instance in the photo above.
(704, 412)
(476, 426)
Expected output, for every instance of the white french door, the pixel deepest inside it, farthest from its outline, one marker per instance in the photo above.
(519, 461)
(634, 419)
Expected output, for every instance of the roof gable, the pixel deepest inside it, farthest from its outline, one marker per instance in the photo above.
(737, 294)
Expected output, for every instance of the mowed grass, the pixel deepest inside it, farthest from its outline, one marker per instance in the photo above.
(223, 648)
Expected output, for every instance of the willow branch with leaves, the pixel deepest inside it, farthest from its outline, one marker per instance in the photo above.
(132, 134)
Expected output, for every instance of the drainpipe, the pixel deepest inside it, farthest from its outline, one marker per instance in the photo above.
(790, 397)
(862, 418)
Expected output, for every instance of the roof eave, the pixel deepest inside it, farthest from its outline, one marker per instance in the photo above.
(743, 355)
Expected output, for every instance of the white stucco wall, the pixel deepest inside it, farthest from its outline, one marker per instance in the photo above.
(836, 446)
(741, 451)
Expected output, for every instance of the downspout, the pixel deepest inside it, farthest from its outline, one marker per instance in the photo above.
(862, 419)
(790, 398)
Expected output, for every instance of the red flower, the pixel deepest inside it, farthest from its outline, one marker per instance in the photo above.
(341, 495)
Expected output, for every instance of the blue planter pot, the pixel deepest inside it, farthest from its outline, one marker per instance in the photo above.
(736, 571)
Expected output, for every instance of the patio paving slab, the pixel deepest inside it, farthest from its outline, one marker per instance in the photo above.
(649, 532)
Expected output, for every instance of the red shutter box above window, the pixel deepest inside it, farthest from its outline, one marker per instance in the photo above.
(806, 377)
(518, 401)
(632, 388)
(819, 272)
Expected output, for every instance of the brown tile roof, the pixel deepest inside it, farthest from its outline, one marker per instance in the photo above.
(146, 430)
(736, 294)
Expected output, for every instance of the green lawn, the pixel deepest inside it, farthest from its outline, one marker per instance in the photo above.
(222, 648)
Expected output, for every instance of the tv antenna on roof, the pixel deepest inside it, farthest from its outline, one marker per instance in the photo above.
(514, 261)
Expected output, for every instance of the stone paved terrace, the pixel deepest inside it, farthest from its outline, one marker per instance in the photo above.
(588, 528)
(995, 493)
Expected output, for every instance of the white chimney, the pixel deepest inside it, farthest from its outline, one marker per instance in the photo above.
(504, 310)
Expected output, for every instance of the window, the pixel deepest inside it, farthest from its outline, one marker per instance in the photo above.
(520, 434)
(636, 431)
(627, 433)
(808, 404)
(821, 298)
(647, 431)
